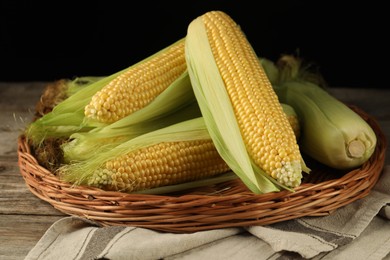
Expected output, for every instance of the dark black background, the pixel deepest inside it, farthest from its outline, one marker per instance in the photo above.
(49, 40)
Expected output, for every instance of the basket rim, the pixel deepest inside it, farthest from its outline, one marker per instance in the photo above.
(191, 212)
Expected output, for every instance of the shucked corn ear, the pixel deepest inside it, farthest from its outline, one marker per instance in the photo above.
(162, 164)
(112, 97)
(241, 110)
(333, 133)
(138, 86)
(176, 154)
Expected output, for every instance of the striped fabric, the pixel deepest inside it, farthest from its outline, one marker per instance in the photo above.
(360, 230)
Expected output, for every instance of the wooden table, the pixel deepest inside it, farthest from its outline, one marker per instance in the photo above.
(24, 218)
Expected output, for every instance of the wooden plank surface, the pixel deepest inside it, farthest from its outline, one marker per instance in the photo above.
(24, 218)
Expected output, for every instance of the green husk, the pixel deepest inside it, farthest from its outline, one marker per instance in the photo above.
(79, 83)
(270, 69)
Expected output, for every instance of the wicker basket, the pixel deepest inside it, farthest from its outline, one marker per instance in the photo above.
(228, 204)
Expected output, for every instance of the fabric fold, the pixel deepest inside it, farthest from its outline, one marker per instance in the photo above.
(359, 230)
(310, 236)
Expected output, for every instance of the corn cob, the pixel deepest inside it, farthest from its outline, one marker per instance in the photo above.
(176, 154)
(138, 86)
(109, 98)
(241, 109)
(163, 164)
(334, 134)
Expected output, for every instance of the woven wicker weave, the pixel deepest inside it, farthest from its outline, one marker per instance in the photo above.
(228, 204)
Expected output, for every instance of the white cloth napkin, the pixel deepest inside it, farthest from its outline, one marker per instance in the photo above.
(360, 230)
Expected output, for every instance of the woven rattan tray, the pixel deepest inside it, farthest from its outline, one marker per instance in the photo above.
(228, 204)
